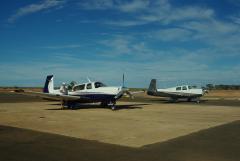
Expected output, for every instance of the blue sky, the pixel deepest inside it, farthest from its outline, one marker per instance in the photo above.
(175, 41)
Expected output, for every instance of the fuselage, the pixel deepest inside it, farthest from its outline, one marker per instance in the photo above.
(184, 91)
(95, 92)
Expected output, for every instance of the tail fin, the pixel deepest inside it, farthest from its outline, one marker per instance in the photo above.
(152, 89)
(49, 86)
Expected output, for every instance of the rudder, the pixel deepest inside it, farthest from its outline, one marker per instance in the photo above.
(152, 87)
(48, 87)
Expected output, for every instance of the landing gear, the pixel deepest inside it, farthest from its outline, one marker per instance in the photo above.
(113, 107)
(68, 104)
(197, 100)
(111, 104)
(189, 99)
(71, 105)
(62, 104)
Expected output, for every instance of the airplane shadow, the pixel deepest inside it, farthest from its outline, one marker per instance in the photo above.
(93, 106)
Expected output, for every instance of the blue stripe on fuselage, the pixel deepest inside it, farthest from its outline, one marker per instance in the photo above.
(98, 97)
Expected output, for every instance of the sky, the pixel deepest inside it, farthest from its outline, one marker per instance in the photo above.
(175, 41)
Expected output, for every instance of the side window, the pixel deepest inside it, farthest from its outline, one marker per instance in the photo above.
(189, 87)
(89, 86)
(97, 84)
(178, 88)
(79, 87)
(194, 87)
(184, 88)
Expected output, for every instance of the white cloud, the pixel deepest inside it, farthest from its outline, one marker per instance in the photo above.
(124, 6)
(182, 24)
(125, 23)
(135, 5)
(165, 13)
(118, 45)
(222, 35)
(235, 18)
(146, 11)
(172, 34)
(33, 8)
(125, 45)
(70, 46)
(184, 69)
(189, 12)
(97, 4)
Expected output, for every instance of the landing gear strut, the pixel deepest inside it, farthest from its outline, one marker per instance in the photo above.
(197, 100)
(113, 105)
(69, 104)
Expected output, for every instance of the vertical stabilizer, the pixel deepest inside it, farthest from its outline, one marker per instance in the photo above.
(152, 89)
(49, 86)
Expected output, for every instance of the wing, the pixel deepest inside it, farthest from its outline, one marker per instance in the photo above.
(132, 93)
(136, 92)
(53, 96)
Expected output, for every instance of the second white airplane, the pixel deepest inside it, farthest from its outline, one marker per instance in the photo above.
(188, 92)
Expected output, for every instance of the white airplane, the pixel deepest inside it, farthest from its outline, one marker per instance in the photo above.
(185, 91)
(89, 92)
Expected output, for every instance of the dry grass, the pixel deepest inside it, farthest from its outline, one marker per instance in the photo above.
(223, 93)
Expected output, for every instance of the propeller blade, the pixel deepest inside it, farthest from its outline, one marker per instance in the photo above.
(123, 81)
(129, 94)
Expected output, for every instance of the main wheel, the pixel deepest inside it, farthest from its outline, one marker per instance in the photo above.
(173, 100)
(113, 107)
(71, 105)
(189, 99)
(198, 100)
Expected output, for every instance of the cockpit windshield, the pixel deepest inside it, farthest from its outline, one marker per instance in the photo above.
(99, 84)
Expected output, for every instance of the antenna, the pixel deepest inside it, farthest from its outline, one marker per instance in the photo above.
(88, 80)
(123, 81)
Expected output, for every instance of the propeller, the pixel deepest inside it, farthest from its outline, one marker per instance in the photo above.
(123, 81)
(125, 89)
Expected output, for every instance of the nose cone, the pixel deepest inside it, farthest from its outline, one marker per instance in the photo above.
(119, 92)
(119, 89)
(202, 91)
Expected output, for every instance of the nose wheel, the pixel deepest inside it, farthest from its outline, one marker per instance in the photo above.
(113, 107)
(112, 104)
(198, 100)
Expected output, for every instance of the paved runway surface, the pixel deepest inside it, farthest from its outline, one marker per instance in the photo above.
(221, 143)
